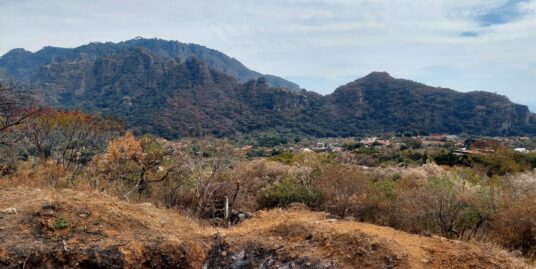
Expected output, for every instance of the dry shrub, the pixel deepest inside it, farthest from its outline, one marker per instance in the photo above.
(262, 170)
(47, 174)
(138, 161)
(426, 199)
(515, 221)
(254, 175)
(515, 225)
(365, 160)
(430, 199)
(341, 186)
(285, 192)
(182, 198)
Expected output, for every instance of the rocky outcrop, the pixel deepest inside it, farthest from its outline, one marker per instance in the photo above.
(24, 65)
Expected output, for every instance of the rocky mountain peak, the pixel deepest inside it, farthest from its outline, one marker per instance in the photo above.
(378, 75)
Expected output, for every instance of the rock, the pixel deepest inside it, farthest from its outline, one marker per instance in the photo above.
(83, 215)
(146, 205)
(47, 213)
(298, 206)
(217, 235)
(50, 205)
(10, 210)
(517, 253)
(48, 224)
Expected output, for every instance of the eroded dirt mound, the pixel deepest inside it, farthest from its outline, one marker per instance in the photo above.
(46, 229)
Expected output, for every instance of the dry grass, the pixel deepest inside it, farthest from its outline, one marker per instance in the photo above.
(106, 221)
(311, 234)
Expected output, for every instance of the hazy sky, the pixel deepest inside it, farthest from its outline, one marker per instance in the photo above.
(320, 44)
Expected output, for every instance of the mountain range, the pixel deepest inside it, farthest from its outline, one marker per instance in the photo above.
(175, 89)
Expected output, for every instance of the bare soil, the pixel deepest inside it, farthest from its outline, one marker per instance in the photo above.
(69, 229)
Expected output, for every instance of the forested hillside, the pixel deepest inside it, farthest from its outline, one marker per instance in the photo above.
(176, 90)
(24, 65)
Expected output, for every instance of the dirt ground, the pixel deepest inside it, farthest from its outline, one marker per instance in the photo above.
(68, 229)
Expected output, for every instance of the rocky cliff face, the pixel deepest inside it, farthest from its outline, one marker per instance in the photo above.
(150, 85)
(162, 95)
(20, 64)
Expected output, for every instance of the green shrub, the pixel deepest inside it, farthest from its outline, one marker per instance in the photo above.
(257, 152)
(286, 192)
(447, 157)
(529, 158)
(270, 139)
(60, 223)
(503, 161)
(286, 157)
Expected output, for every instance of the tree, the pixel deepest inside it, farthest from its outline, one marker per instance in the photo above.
(136, 160)
(16, 107)
(67, 136)
(205, 161)
(459, 208)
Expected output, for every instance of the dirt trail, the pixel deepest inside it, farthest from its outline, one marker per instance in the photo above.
(86, 230)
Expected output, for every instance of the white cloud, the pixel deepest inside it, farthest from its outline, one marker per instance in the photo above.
(320, 42)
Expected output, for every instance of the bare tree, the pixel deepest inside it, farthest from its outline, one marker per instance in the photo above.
(205, 162)
(65, 135)
(16, 107)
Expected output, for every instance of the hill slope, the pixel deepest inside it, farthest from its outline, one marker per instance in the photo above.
(101, 232)
(20, 64)
(166, 96)
(379, 102)
(175, 90)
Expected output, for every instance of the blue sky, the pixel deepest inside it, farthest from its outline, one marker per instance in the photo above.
(320, 44)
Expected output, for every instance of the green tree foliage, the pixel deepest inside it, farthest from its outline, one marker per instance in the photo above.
(285, 192)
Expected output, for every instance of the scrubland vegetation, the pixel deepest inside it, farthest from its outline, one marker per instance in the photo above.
(488, 197)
